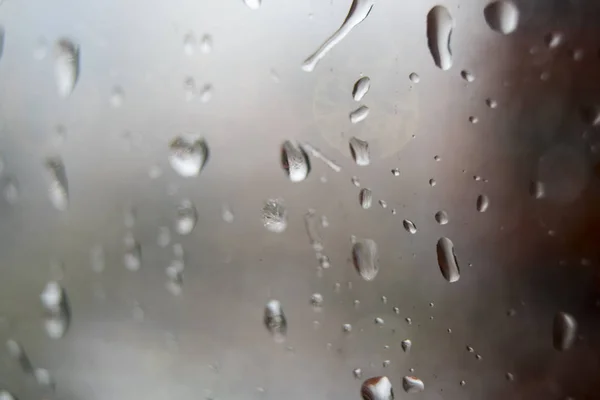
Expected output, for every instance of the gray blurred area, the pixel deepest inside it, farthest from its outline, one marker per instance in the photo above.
(133, 334)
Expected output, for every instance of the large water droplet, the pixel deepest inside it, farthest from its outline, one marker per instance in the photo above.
(409, 226)
(483, 202)
(447, 260)
(361, 87)
(439, 33)
(359, 114)
(441, 217)
(359, 150)
(275, 320)
(359, 10)
(377, 388)
(412, 384)
(502, 16)
(365, 198)
(274, 216)
(295, 162)
(58, 187)
(253, 4)
(66, 67)
(365, 258)
(186, 218)
(187, 158)
(564, 331)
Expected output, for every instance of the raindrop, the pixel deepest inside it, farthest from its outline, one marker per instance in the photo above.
(54, 301)
(186, 218)
(432, 182)
(294, 161)
(17, 353)
(43, 377)
(437, 158)
(53, 297)
(365, 198)
(10, 191)
(361, 87)
(274, 216)
(377, 388)
(473, 119)
(58, 187)
(117, 98)
(483, 202)
(357, 372)
(578, 54)
(439, 32)
(470, 349)
(441, 217)
(227, 214)
(409, 226)
(414, 77)
(378, 321)
(447, 260)
(386, 363)
(359, 114)
(467, 76)
(359, 10)
(6, 395)
(189, 86)
(564, 331)
(463, 383)
(206, 93)
(491, 103)
(408, 320)
(355, 181)
(406, 345)
(253, 4)
(347, 328)
(396, 172)
(502, 16)
(510, 377)
(206, 44)
(275, 320)
(365, 257)
(554, 39)
(187, 158)
(66, 67)
(537, 189)
(412, 384)
(312, 223)
(359, 149)
(189, 44)
(132, 259)
(97, 258)
(316, 300)
(309, 149)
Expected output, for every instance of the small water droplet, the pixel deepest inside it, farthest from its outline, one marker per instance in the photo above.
(10, 191)
(227, 213)
(396, 310)
(437, 158)
(432, 182)
(97, 258)
(439, 33)
(294, 161)
(502, 16)
(537, 189)
(483, 202)
(53, 297)
(189, 43)
(187, 158)
(447, 260)
(473, 119)
(377, 388)
(408, 320)
(564, 331)
(117, 97)
(365, 198)
(491, 103)
(412, 384)
(316, 300)
(409, 226)
(361, 87)
(347, 328)
(54, 300)
(275, 321)
(396, 172)
(470, 349)
(467, 76)
(66, 66)
(378, 321)
(359, 150)
(386, 363)
(478, 357)
(356, 372)
(578, 54)
(355, 181)
(164, 236)
(441, 217)
(186, 217)
(206, 44)
(206, 93)
(406, 345)
(359, 114)
(58, 187)
(510, 377)
(414, 77)
(365, 258)
(43, 377)
(274, 216)
(253, 4)
(382, 203)
(132, 258)
(463, 383)
(554, 39)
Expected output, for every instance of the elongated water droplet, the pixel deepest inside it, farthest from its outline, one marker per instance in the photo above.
(361, 87)
(359, 150)
(275, 320)
(313, 151)
(409, 226)
(295, 162)
(312, 224)
(186, 218)
(66, 67)
(54, 300)
(274, 216)
(554, 39)
(447, 260)
(412, 384)
(366, 258)
(189, 43)
(441, 217)
(359, 114)
(502, 16)
(564, 331)
(377, 388)
(406, 345)
(17, 353)
(58, 187)
(439, 33)
(187, 158)
(483, 202)
(206, 44)
(537, 189)
(253, 4)
(365, 198)
(359, 10)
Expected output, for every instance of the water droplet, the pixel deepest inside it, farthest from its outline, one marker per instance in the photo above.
(502, 16)
(578, 54)
(274, 216)
(408, 320)
(58, 187)
(97, 259)
(117, 97)
(483, 202)
(470, 349)
(396, 310)
(359, 10)
(43, 377)
(54, 300)
(478, 357)
(382, 203)
(432, 182)
(437, 158)
(439, 33)
(357, 372)
(377, 388)
(187, 158)
(554, 39)
(347, 328)
(206, 93)
(473, 119)
(17, 353)
(275, 320)
(186, 218)
(378, 321)
(253, 4)
(510, 377)
(409, 226)
(414, 77)
(441, 217)
(295, 161)
(10, 191)
(396, 172)
(463, 383)
(189, 43)
(537, 189)
(359, 114)
(66, 67)
(6, 395)
(406, 345)
(52, 297)
(361, 87)
(227, 213)
(447, 260)
(316, 300)
(365, 197)
(309, 149)
(359, 149)
(412, 384)
(312, 224)
(365, 257)
(467, 76)
(132, 259)
(355, 181)
(386, 363)
(564, 331)
(491, 103)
